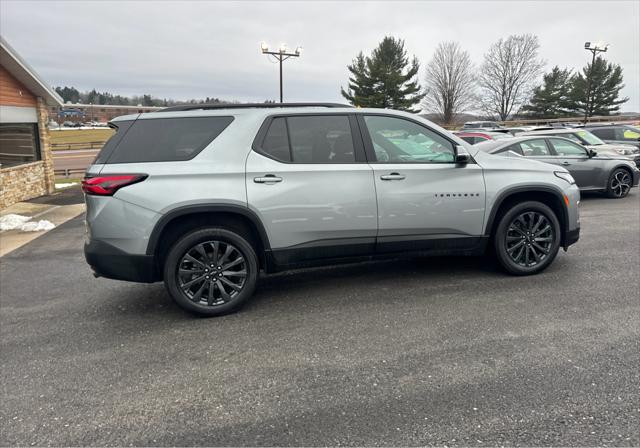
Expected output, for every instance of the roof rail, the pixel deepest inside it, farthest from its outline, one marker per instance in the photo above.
(185, 107)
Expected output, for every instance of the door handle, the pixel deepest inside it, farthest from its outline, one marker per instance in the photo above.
(393, 176)
(267, 179)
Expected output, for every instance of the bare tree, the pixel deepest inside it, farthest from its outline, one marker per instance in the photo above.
(450, 82)
(508, 74)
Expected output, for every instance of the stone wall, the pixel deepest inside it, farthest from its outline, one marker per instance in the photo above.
(45, 146)
(22, 182)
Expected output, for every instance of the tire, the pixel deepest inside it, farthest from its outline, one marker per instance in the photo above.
(619, 183)
(194, 277)
(525, 243)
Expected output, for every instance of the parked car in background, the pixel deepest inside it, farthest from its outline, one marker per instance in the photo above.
(589, 140)
(614, 175)
(617, 134)
(481, 125)
(71, 124)
(519, 130)
(205, 196)
(478, 137)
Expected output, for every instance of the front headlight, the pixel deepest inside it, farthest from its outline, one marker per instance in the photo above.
(565, 176)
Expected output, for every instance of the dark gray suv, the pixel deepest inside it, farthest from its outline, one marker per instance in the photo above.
(622, 134)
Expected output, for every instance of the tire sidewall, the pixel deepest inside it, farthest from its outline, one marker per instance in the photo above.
(500, 241)
(184, 244)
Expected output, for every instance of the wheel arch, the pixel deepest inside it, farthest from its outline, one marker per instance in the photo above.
(186, 218)
(547, 195)
(623, 167)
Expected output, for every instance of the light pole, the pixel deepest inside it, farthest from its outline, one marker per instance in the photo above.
(593, 47)
(281, 55)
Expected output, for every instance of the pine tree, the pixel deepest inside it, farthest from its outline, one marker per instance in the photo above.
(386, 79)
(551, 99)
(606, 83)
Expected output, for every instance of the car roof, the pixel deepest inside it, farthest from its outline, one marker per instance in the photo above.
(491, 146)
(553, 130)
(473, 132)
(258, 110)
(609, 125)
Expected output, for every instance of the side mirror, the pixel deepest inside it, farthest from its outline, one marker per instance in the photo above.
(592, 153)
(462, 156)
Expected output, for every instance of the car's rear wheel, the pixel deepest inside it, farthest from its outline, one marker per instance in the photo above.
(527, 238)
(211, 271)
(620, 183)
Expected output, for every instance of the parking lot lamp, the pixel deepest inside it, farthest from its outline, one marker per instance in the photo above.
(281, 55)
(594, 48)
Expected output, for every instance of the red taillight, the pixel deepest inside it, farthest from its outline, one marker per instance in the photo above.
(108, 185)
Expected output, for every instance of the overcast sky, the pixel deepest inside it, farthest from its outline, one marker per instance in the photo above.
(196, 49)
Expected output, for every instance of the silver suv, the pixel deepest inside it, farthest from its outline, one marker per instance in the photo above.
(204, 197)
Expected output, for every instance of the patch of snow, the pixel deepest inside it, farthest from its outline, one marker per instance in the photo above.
(62, 185)
(37, 226)
(12, 221)
(24, 223)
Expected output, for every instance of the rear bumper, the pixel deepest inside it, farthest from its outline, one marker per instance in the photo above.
(110, 262)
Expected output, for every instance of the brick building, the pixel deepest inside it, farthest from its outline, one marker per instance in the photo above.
(26, 164)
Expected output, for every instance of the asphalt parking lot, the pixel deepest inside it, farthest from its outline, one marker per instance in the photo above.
(446, 352)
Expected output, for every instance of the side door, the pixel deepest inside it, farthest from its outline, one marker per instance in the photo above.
(308, 181)
(576, 159)
(426, 201)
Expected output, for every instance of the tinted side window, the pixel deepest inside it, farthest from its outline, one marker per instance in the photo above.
(276, 141)
(469, 139)
(167, 139)
(628, 134)
(604, 134)
(121, 128)
(533, 148)
(310, 139)
(396, 140)
(321, 139)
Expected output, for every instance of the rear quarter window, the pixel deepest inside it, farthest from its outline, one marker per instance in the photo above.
(162, 139)
(121, 128)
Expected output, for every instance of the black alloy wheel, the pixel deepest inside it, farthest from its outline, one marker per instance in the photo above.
(211, 271)
(527, 238)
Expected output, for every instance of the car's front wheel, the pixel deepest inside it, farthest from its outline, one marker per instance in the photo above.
(211, 271)
(527, 238)
(619, 184)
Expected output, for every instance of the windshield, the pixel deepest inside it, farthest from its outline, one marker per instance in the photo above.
(589, 139)
(631, 133)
